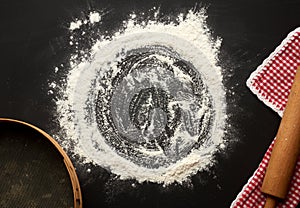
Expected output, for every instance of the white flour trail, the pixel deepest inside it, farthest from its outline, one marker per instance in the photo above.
(149, 104)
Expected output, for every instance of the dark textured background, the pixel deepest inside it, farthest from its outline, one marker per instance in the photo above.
(33, 41)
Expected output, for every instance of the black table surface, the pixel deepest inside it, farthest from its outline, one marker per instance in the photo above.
(251, 29)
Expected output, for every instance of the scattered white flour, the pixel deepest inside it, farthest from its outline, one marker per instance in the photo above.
(92, 18)
(188, 40)
(75, 25)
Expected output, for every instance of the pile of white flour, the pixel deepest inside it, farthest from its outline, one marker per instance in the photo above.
(125, 151)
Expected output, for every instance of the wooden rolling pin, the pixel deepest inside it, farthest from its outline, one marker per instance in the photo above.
(286, 149)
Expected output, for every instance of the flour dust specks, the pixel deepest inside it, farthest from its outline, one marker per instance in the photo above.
(147, 102)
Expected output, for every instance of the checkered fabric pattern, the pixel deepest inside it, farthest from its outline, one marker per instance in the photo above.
(271, 82)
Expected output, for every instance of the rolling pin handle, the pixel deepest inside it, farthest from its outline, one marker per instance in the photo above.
(270, 202)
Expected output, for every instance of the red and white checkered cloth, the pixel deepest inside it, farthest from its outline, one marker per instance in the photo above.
(271, 82)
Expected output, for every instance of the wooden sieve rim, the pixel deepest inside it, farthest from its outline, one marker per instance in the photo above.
(71, 170)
